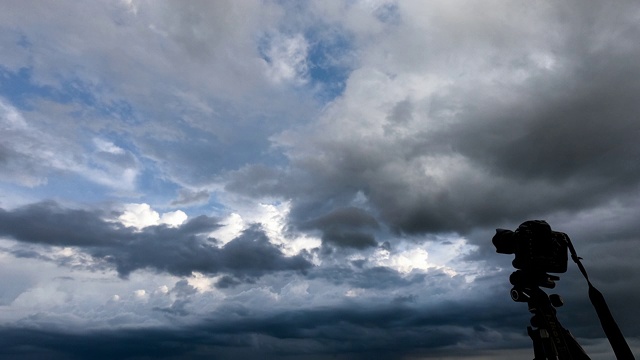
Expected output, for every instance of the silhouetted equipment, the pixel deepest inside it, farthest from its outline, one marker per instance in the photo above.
(538, 251)
(537, 248)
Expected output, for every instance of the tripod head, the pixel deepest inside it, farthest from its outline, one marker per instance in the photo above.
(533, 278)
(550, 339)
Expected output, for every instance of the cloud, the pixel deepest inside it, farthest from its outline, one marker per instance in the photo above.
(431, 153)
(356, 240)
(43, 223)
(343, 227)
(35, 149)
(118, 90)
(287, 58)
(188, 197)
(179, 250)
(141, 216)
(391, 331)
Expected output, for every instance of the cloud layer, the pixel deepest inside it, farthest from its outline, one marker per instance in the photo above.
(178, 250)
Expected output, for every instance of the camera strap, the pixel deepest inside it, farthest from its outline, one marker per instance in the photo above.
(609, 325)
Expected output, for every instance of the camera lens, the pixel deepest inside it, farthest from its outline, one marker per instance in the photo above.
(504, 242)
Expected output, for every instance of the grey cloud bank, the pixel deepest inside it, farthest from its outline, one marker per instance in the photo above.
(179, 251)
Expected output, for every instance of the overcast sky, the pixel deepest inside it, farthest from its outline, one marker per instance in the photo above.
(310, 179)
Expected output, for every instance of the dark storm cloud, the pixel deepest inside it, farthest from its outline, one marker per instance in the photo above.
(563, 147)
(47, 223)
(357, 240)
(21, 343)
(378, 277)
(563, 139)
(178, 251)
(348, 332)
(582, 135)
(345, 227)
(344, 218)
(228, 282)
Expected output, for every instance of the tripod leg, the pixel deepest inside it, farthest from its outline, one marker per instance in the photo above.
(577, 352)
(538, 347)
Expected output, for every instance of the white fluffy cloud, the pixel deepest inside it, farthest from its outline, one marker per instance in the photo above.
(142, 215)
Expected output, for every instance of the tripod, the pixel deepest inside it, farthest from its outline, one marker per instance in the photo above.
(550, 340)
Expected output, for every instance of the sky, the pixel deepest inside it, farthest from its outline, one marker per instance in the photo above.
(284, 179)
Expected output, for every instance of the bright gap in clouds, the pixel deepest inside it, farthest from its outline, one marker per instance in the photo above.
(443, 254)
(272, 219)
(142, 215)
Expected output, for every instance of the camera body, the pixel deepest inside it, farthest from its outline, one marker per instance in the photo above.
(537, 248)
